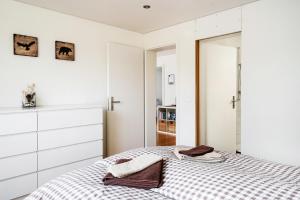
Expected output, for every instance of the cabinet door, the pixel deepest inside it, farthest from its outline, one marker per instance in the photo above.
(18, 144)
(18, 123)
(18, 165)
(69, 118)
(17, 187)
(65, 155)
(49, 174)
(69, 136)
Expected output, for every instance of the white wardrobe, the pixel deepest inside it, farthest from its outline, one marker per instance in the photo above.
(37, 145)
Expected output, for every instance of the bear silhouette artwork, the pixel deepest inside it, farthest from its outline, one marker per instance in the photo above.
(64, 51)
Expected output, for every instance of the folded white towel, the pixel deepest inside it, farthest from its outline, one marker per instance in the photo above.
(211, 155)
(135, 165)
(179, 155)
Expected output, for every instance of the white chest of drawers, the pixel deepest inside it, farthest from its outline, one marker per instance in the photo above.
(40, 144)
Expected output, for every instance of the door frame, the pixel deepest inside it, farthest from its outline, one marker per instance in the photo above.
(197, 93)
(150, 93)
(198, 135)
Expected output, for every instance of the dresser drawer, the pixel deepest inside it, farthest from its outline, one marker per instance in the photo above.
(17, 187)
(65, 155)
(18, 123)
(68, 136)
(69, 118)
(11, 145)
(18, 165)
(47, 175)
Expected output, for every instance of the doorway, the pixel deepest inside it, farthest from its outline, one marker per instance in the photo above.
(160, 96)
(166, 97)
(219, 92)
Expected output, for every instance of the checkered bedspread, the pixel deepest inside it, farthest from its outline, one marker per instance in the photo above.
(239, 177)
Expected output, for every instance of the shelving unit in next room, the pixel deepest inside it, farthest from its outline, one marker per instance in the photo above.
(166, 125)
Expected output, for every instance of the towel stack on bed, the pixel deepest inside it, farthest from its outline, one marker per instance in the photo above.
(145, 171)
(141, 172)
(197, 151)
(201, 153)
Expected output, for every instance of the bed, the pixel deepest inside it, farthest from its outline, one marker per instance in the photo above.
(239, 177)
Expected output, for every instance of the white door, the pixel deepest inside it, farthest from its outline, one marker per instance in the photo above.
(125, 117)
(220, 64)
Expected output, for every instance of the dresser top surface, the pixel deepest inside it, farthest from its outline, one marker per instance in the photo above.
(8, 110)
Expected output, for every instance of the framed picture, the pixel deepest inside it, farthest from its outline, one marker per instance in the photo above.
(25, 45)
(171, 79)
(64, 51)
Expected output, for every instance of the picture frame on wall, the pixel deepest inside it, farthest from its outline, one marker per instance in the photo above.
(171, 79)
(64, 51)
(25, 45)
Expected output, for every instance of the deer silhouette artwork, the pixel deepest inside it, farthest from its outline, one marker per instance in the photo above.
(26, 45)
(64, 51)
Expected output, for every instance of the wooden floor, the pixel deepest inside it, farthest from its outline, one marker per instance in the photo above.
(165, 140)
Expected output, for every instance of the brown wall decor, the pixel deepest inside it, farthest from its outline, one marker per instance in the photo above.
(25, 45)
(64, 51)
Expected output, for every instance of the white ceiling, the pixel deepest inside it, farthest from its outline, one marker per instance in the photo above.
(129, 14)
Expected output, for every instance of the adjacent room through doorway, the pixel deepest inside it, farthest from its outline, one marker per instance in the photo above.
(166, 97)
(160, 96)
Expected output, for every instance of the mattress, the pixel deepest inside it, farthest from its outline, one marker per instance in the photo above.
(239, 177)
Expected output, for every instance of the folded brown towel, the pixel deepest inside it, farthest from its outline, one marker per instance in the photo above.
(151, 177)
(197, 151)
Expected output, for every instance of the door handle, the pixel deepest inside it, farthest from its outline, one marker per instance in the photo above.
(111, 103)
(233, 102)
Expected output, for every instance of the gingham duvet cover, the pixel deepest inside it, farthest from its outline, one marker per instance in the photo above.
(240, 177)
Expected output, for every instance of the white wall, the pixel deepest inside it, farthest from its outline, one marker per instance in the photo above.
(58, 82)
(167, 60)
(271, 80)
(228, 21)
(150, 98)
